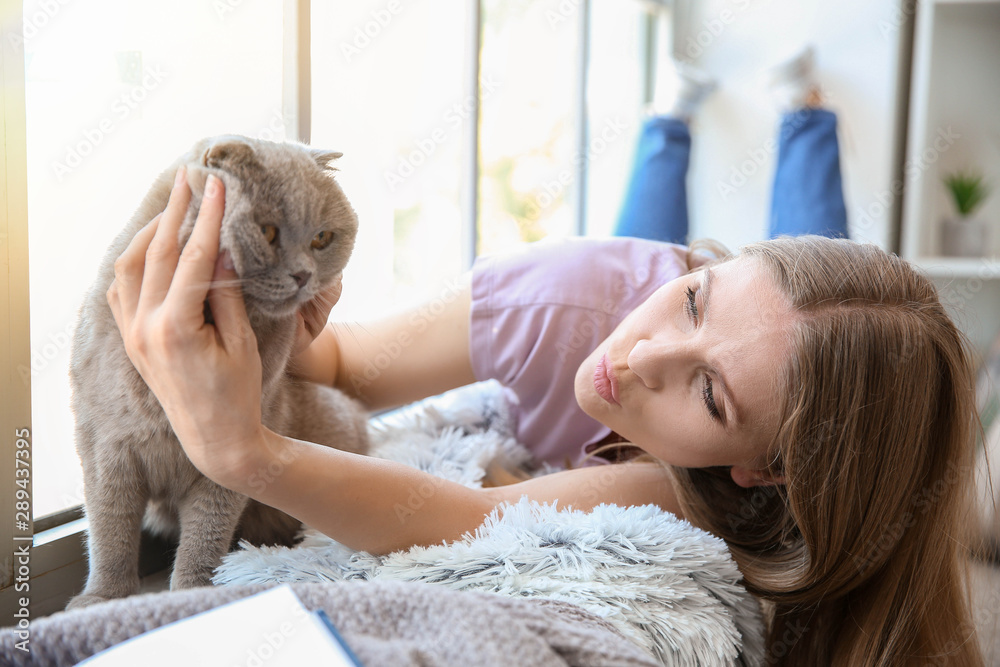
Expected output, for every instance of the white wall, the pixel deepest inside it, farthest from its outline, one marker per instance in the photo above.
(857, 44)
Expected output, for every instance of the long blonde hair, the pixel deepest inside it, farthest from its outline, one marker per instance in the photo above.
(861, 555)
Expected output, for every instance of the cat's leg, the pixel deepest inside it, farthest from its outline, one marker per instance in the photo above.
(116, 497)
(309, 412)
(208, 515)
(324, 415)
(262, 524)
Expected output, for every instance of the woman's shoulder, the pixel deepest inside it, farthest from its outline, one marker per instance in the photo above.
(581, 271)
(571, 250)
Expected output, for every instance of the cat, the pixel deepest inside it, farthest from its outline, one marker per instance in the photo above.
(290, 231)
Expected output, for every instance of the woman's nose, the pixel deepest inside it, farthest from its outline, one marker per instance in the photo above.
(653, 360)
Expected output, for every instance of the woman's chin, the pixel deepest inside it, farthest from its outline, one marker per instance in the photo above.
(586, 396)
(589, 400)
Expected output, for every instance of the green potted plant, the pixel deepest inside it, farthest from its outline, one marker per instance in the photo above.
(964, 236)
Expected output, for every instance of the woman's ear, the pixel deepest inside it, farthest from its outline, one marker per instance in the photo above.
(748, 478)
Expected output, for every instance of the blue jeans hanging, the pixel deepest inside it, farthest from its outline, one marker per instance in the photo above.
(807, 196)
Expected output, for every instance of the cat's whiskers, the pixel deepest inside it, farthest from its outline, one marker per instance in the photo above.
(205, 285)
(363, 328)
(323, 300)
(347, 326)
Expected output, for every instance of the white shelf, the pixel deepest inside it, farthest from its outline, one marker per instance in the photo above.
(954, 126)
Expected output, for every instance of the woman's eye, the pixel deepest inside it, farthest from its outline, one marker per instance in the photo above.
(270, 233)
(690, 305)
(709, 396)
(322, 240)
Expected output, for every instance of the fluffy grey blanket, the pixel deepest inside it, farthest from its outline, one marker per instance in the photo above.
(385, 623)
(672, 588)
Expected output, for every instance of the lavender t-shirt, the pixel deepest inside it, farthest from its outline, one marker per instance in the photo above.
(537, 313)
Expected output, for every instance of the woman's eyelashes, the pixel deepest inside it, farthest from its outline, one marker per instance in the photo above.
(709, 396)
(691, 306)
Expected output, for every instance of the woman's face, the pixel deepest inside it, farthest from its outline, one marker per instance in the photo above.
(692, 376)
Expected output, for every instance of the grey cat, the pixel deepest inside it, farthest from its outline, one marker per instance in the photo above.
(290, 231)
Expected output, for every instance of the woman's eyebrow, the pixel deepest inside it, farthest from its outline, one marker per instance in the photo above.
(706, 290)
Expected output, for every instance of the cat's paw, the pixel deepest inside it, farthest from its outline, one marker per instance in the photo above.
(84, 600)
(190, 580)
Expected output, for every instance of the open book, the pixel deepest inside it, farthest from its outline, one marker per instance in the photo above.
(271, 628)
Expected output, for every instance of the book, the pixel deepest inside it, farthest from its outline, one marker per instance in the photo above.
(271, 628)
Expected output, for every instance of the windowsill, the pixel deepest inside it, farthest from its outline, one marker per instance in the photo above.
(59, 569)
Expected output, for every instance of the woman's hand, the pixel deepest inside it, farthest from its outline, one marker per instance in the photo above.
(207, 377)
(313, 315)
(316, 352)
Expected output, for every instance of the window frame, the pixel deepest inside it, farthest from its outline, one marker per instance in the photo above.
(15, 409)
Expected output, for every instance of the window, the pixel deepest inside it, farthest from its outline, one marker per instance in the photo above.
(466, 128)
(114, 95)
(389, 91)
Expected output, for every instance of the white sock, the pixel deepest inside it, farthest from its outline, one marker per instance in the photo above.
(792, 83)
(681, 90)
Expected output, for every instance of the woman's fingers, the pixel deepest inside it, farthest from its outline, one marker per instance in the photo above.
(313, 315)
(123, 293)
(225, 298)
(196, 265)
(162, 253)
(333, 293)
(317, 311)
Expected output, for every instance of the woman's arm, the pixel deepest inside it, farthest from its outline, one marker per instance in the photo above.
(363, 502)
(381, 506)
(398, 359)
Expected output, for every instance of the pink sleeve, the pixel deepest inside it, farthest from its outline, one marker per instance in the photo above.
(538, 312)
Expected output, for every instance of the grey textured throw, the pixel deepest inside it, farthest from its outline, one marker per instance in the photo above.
(385, 623)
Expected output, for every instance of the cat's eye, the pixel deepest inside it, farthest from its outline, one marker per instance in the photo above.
(322, 240)
(270, 233)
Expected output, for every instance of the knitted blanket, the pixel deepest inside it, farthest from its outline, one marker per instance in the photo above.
(384, 622)
(671, 588)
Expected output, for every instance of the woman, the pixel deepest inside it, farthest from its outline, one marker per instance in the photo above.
(808, 401)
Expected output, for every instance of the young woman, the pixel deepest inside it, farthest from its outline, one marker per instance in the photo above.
(809, 401)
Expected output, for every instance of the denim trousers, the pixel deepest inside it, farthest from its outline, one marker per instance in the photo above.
(807, 195)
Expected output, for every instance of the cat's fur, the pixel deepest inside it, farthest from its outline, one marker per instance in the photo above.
(133, 465)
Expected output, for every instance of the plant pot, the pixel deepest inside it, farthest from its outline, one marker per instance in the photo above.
(964, 237)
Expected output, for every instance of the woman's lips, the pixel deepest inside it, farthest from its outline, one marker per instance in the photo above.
(605, 381)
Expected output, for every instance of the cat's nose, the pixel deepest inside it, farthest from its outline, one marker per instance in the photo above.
(302, 277)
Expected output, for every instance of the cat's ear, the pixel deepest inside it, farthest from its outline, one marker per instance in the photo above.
(232, 155)
(324, 158)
